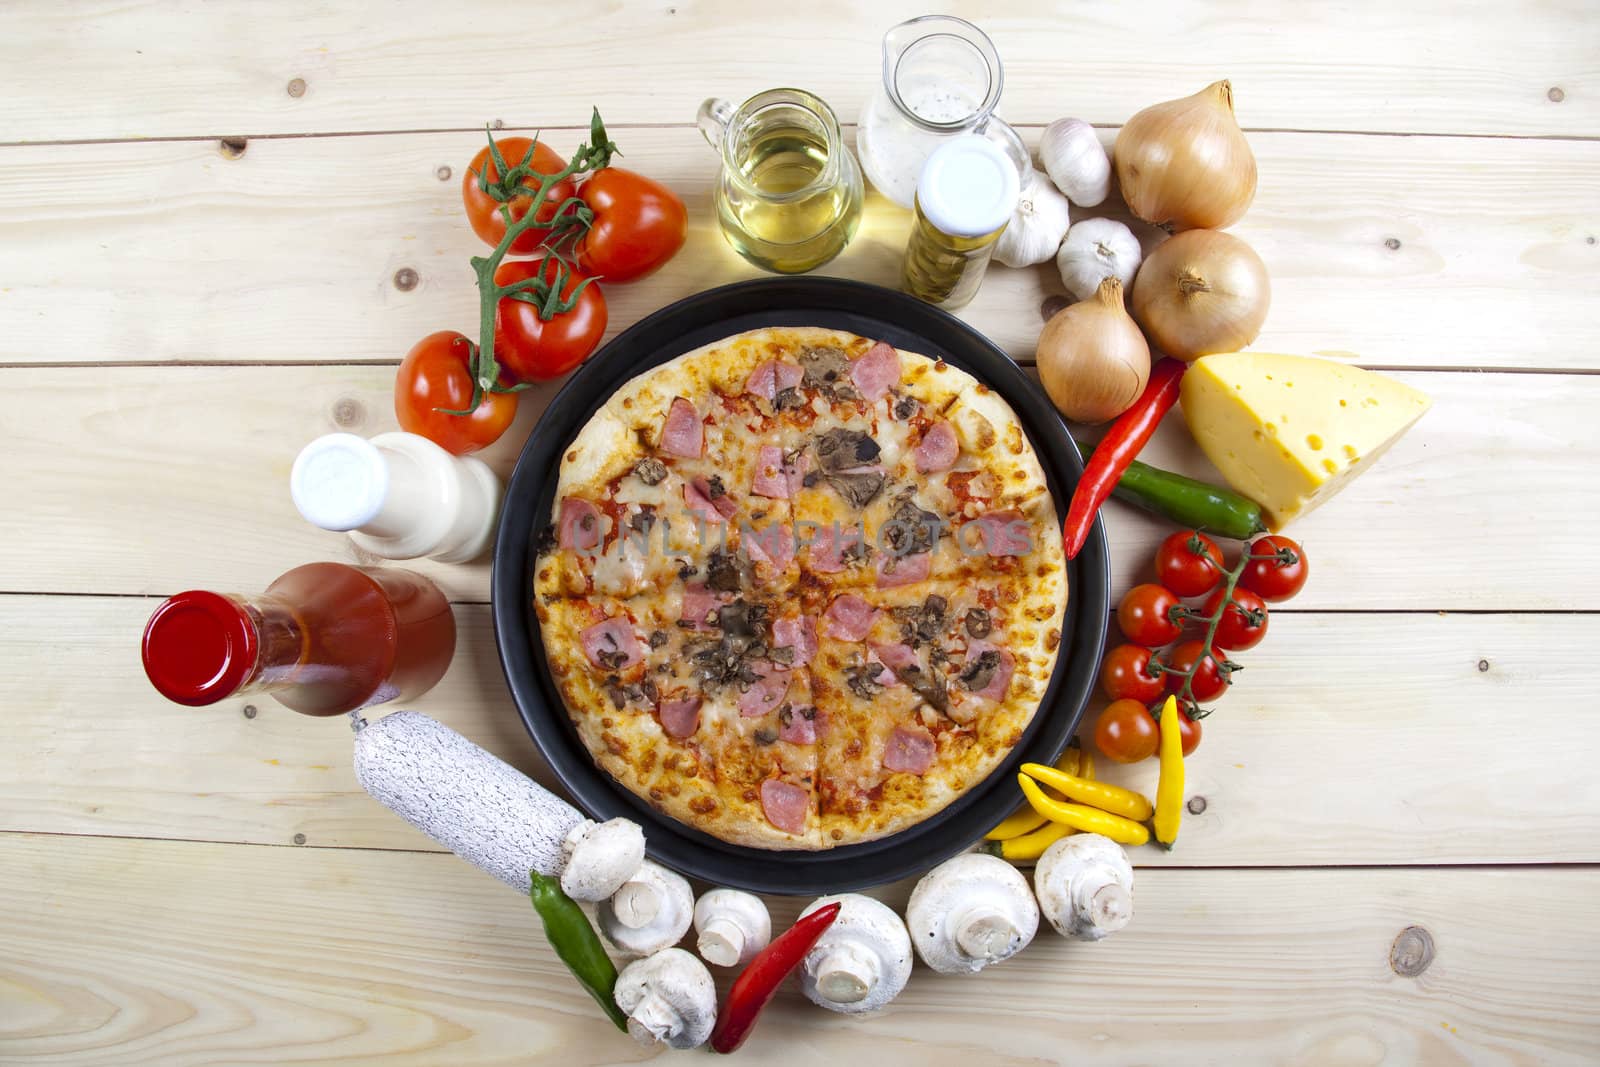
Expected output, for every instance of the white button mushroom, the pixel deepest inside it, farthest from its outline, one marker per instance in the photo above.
(733, 926)
(601, 858)
(969, 912)
(1085, 886)
(862, 961)
(668, 997)
(649, 912)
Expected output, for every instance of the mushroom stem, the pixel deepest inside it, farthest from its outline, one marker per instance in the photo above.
(1108, 907)
(654, 1019)
(636, 904)
(847, 973)
(984, 933)
(721, 942)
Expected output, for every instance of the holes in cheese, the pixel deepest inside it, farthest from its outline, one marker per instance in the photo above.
(1237, 405)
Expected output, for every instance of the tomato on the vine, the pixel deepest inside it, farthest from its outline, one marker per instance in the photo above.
(437, 373)
(1145, 615)
(1188, 733)
(1209, 682)
(1126, 732)
(533, 350)
(639, 224)
(1272, 579)
(483, 210)
(1243, 624)
(1126, 675)
(1185, 571)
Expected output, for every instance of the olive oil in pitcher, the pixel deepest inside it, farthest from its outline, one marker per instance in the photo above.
(790, 195)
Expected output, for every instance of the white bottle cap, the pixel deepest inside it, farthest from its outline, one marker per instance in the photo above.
(339, 482)
(968, 187)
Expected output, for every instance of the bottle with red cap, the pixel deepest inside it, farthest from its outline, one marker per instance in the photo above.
(324, 639)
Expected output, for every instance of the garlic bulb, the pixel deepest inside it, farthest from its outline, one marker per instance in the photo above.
(1071, 153)
(1037, 227)
(1094, 250)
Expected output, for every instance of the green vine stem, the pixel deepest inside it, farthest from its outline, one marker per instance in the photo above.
(567, 226)
(1225, 667)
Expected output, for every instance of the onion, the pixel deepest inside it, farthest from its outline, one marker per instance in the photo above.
(1093, 360)
(1185, 164)
(1200, 292)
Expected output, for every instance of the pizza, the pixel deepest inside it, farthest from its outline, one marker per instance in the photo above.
(801, 589)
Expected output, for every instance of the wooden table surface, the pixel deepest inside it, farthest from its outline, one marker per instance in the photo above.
(203, 212)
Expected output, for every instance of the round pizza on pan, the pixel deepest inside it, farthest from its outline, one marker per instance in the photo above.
(800, 589)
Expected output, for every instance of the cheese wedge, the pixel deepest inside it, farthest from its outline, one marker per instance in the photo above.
(1291, 431)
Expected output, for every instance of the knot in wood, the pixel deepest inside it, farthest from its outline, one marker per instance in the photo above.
(1197, 805)
(1411, 952)
(232, 147)
(443, 173)
(1052, 306)
(249, 711)
(299, 839)
(347, 412)
(1556, 94)
(297, 87)
(1483, 665)
(1392, 244)
(405, 279)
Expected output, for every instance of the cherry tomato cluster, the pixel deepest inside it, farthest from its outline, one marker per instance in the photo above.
(548, 313)
(1137, 676)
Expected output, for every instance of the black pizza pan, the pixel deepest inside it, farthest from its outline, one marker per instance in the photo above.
(870, 311)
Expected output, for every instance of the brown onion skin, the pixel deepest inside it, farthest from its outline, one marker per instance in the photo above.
(1093, 361)
(1185, 164)
(1201, 292)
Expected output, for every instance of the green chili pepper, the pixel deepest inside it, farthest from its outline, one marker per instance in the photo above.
(572, 936)
(1188, 502)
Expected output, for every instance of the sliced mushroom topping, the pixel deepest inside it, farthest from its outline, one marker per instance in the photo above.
(722, 572)
(824, 366)
(766, 735)
(978, 623)
(545, 540)
(643, 521)
(658, 638)
(715, 487)
(858, 488)
(650, 470)
(841, 449)
(905, 407)
(862, 680)
(784, 399)
(912, 529)
(922, 624)
(927, 685)
(687, 571)
(741, 621)
(980, 672)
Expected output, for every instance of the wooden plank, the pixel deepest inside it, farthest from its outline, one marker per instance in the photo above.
(151, 70)
(278, 255)
(1349, 738)
(240, 954)
(168, 478)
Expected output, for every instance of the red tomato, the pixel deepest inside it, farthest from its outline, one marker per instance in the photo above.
(1237, 630)
(1208, 680)
(1185, 571)
(437, 373)
(639, 224)
(1126, 732)
(1273, 580)
(1188, 733)
(483, 210)
(1126, 675)
(1145, 615)
(533, 350)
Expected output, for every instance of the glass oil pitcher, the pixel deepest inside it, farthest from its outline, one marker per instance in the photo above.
(789, 195)
(941, 79)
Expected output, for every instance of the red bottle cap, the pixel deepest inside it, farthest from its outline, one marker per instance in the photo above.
(199, 647)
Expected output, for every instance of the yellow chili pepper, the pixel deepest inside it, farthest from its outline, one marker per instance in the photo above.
(1102, 795)
(1081, 817)
(1028, 847)
(1085, 765)
(1025, 820)
(1169, 789)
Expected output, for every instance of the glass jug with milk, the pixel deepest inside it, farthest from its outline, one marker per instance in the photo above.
(941, 79)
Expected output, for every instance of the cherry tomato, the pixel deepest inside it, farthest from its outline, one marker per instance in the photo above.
(483, 210)
(533, 350)
(1188, 733)
(639, 224)
(1275, 581)
(1145, 615)
(437, 374)
(1184, 571)
(1126, 732)
(1208, 681)
(1236, 631)
(1126, 675)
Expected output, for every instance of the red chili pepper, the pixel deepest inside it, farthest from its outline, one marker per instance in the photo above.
(1120, 447)
(759, 980)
